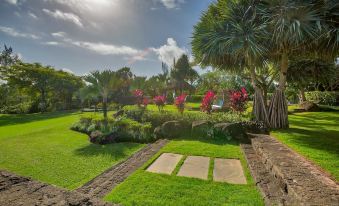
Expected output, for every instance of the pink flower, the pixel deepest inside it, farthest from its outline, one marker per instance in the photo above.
(159, 101)
(180, 103)
(207, 102)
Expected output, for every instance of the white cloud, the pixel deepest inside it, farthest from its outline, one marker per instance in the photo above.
(52, 43)
(32, 15)
(59, 34)
(70, 17)
(14, 2)
(99, 47)
(12, 32)
(172, 4)
(170, 51)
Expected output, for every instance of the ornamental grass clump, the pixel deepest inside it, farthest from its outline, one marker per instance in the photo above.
(207, 102)
(238, 100)
(160, 102)
(180, 103)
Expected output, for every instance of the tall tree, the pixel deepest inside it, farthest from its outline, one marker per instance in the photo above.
(232, 36)
(105, 83)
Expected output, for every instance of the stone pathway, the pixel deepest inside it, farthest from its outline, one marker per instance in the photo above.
(228, 170)
(225, 170)
(22, 191)
(104, 183)
(195, 166)
(165, 164)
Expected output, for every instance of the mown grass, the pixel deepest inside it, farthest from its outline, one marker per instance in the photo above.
(43, 147)
(316, 136)
(145, 188)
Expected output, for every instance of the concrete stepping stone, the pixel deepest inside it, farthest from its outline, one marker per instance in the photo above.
(165, 164)
(195, 166)
(228, 170)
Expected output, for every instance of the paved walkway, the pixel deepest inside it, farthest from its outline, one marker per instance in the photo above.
(225, 170)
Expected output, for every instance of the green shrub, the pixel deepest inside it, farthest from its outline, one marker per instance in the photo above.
(324, 98)
(158, 118)
(194, 98)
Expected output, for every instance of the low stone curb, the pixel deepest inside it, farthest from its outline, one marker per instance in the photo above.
(105, 182)
(22, 191)
(301, 182)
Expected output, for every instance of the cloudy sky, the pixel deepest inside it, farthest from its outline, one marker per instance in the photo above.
(84, 35)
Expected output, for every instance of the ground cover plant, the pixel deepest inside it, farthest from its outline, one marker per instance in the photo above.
(43, 147)
(145, 188)
(315, 136)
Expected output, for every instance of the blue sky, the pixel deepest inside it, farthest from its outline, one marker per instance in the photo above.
(84, 35)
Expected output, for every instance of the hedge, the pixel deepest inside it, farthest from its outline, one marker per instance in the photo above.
(322, 97)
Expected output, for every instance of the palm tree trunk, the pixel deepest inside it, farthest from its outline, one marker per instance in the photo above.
(302, 97)
(259, 107)
(278, 111)
(104, 106)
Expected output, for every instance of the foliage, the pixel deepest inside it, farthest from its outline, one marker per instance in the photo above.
(207, 102)
(139, 95)
(195, 98)
(325, 98)
(124, 129)
(180, 103)
(238, 100)
(50, 88)
(159, 101)
(106, 82)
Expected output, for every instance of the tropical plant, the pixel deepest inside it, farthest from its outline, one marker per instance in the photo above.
(238, 100)
(104, 82)
(231, 35)
(139, 95)
(180, 102)
(160, 101)
(207, 102)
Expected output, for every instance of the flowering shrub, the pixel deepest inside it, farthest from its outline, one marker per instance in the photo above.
(238, 100)
(207, 101)
(180, 103)
(138, 94)
(159, 101)
(145, 101)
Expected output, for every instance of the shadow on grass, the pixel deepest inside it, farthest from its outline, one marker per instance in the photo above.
(327, 140)
(116, 150)
(13, 119)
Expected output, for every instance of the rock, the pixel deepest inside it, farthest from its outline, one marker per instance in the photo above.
(201, 128)
(229, 131)
(309, 106)
(157, 132)
(97, 137)
(255, 127)
(172, 129)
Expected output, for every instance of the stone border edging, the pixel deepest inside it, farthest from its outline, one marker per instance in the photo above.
(301, 182)
(16, 190)
(105, 182)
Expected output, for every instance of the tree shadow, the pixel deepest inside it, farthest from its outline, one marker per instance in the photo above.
(116, 150)
(14, 119)
(322, 139)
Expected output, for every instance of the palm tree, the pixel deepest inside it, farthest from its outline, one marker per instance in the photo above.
(292, 24)
(232, 36)
(104, 82)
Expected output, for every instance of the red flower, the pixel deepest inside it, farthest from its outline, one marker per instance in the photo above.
(206, 104)
(159, 101)
(238, 100)
(180, 102)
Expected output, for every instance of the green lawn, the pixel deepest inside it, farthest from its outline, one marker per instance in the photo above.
(144, 188)
(43, 147)
(316, 136)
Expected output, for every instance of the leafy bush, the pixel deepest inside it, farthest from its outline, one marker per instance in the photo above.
(158, 118)
(325, 98)
(21, 108)
(238, 100)
(180, 103)
(206, 104)
(122, 128)
(194, 98)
